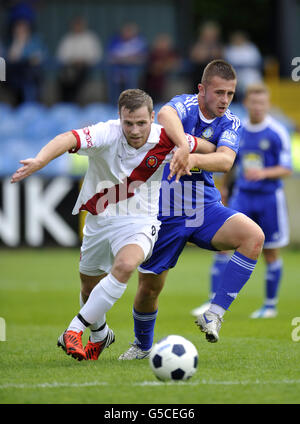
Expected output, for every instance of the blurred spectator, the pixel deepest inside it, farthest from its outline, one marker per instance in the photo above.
(78, 51)
(126, 58)
(21, 10)
(25, 58)
(1, 49)
(245, 57)
(2, 65)
(162, 60)
(207, 47)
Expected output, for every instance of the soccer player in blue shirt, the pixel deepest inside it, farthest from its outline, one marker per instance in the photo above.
(264, 158)
(195, 213)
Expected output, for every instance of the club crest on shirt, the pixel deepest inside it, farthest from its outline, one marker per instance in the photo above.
(208, 132)
(151, 161)
(264, 144)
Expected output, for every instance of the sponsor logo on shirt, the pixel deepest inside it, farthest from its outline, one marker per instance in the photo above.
(196, 170)
(180, 109)
(88, 137)
(252, 160)
(229, 137)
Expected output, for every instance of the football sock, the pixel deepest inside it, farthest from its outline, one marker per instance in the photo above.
(102, 298)
(237, 272)
(99, 330)
(78, 324)
(273, 278)
(81, 302)
(144, 328)
(99, 333)
(216, 272)
(216, 309)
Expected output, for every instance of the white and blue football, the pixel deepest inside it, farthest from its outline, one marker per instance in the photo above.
(173, 358)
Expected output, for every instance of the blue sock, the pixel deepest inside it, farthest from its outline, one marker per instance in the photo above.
(236, 274)
(144, 328)
(216, 272)
(273, 278)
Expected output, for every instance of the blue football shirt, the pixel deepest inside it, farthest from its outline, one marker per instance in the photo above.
(262, 145)
(199, 188)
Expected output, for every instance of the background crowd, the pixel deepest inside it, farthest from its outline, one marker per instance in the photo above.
(128, 59)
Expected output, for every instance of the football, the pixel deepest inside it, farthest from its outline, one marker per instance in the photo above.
(173, 358)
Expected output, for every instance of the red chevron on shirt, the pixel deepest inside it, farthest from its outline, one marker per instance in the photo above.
(122, 191)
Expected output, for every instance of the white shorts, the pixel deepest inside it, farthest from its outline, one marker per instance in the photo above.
(102, 239)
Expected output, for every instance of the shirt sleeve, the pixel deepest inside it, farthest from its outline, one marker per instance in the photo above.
(230, 135)
(91, 138)
(178, 104)
(285, 155)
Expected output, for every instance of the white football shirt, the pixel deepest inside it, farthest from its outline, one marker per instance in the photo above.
(122, 180)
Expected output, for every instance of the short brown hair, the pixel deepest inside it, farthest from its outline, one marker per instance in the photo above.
(218, 68)
(133, 99)
(258, 88)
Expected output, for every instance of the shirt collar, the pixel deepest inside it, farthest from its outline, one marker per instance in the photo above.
(257, 127)
(202, 117)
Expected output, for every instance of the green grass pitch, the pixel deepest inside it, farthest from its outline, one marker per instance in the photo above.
(255, 361)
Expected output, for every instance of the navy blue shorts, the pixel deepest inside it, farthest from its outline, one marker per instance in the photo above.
(269, 211)
(174, 234)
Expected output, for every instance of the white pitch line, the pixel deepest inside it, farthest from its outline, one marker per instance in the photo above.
(51, 385)
(203, 382)
(217, 383)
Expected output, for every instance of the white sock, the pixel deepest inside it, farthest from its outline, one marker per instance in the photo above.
(99, 330)
(102, 298)
(99, 334)
(216, 309)
(81, 302)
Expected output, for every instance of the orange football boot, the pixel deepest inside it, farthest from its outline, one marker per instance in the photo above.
(93, 350)
(71, 343)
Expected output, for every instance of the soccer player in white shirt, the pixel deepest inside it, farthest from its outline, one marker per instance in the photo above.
(120, 192)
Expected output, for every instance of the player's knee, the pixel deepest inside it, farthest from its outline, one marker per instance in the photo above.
(149, 292)
(256, 241)
(87, 285)
(259, 238)
(271, 255)
(125, 266)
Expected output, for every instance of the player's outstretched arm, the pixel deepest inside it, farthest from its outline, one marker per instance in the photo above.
(271, 172)
(56, 147)
(169, 119)
(219, 161)
(204, 146)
